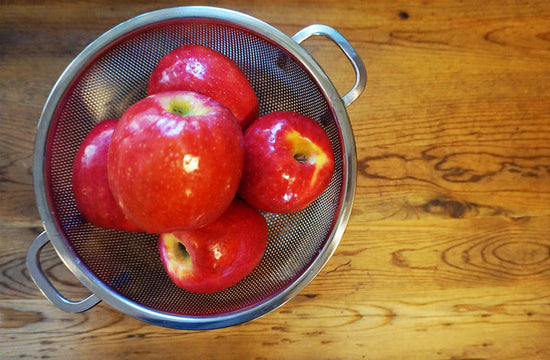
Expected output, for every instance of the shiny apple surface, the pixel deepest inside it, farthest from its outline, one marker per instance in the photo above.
(218, 255)
(288, 162)
(175, 161)
(206, 71)
(90, 182)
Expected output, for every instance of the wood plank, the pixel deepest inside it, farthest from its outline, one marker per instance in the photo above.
(447, 252)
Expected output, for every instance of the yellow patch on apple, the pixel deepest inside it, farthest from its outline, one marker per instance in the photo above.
(179, 258)
(306, 151)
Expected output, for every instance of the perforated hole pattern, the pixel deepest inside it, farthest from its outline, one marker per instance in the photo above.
(129, 263)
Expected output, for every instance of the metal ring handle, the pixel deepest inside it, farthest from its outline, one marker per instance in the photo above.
(347, 49)
(40, 279)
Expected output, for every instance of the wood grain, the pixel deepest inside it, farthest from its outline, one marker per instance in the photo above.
(447, 252)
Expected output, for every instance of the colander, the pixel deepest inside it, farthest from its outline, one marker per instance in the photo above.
(124, 269)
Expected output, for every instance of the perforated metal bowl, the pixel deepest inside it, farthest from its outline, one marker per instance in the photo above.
(124, 269)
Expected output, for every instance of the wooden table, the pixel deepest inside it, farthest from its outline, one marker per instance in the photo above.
(447, 252)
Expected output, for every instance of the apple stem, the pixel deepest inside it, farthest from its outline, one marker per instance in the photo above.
(179, 110)
(301, 158)
(183, 250)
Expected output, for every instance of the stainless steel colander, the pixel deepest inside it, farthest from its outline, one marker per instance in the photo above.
(124, 269)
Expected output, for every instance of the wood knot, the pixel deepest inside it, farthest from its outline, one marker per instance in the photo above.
(449, 207)
(403, 15)
(501, 254)
(522, 253)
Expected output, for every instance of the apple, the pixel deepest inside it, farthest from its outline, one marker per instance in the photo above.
(175, 161)
(206, 71)
(288, 162)
(90, 182)
(218, 255)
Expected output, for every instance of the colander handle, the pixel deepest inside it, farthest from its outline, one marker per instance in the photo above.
(347, 49)
(40, 279)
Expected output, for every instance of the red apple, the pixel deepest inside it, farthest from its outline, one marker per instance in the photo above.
(220, 254)
(175, 161)
(90, 181)
(288, 162)
(206, 71)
